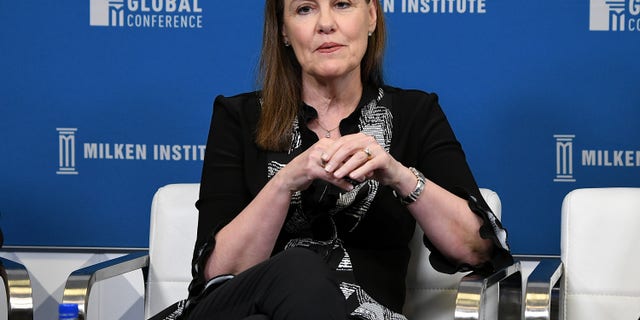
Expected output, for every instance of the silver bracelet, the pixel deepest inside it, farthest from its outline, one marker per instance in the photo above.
(413, 196)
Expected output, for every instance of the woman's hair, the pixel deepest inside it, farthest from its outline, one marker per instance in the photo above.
(280, 76)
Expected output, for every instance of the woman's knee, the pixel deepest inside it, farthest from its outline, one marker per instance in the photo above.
(300, 258)
(305, 287)
(304, 269)
(297, 265)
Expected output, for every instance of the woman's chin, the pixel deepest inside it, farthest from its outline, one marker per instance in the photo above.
(333, 74)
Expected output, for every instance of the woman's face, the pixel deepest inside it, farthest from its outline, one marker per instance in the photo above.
(329, 37)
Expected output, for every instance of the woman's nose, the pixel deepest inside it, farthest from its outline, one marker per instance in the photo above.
(326, 21)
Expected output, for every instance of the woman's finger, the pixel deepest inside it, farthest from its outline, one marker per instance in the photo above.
(344, 148)
(356, 161)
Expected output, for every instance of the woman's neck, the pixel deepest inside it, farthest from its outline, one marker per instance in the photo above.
(332, 97)
(333, 101)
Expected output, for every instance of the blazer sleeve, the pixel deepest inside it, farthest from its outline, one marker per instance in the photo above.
(223, 187)
(441, 159)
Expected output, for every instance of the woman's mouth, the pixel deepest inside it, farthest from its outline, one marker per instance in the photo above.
(329, 47)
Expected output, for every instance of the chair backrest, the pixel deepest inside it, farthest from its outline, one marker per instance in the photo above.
(174, 220)
(432, 294)
(599, 250)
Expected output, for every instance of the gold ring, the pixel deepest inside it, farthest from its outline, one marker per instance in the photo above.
(367, 152)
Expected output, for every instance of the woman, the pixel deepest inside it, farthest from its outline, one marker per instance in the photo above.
(311, 188)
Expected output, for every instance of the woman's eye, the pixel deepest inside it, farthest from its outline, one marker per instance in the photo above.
(343, 5)
(304, 10)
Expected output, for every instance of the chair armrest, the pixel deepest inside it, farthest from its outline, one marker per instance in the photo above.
(18, 289)
(540, 298)
(472, 293)
(79, 283)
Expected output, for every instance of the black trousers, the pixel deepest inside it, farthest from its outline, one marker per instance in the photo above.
(295, 284)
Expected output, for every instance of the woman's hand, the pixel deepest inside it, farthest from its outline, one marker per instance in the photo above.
(300, 172)
(360, 157)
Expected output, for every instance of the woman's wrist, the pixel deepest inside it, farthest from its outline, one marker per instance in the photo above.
(404, 182)
(410, 187)
(281, 183)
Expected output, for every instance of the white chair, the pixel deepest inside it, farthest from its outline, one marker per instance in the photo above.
(172, 236)
(166, 266)
(17, 290)
(599, 252)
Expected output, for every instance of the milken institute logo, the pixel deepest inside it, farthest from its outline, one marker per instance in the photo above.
(103, 151)
(604, 158)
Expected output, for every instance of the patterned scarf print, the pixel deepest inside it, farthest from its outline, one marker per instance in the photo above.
(375, 120)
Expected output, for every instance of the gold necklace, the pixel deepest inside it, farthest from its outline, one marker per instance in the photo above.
(327, 133)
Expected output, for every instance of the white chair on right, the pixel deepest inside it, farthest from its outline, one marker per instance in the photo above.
(600, 255)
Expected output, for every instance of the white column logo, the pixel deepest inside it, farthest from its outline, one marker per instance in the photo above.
(608, 15)
(67, 150)
(106, 13)
(564, 158)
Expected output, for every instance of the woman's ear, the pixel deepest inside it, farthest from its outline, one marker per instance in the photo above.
(285, 39)
(373, 15)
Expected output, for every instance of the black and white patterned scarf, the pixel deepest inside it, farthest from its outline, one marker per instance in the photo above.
(324, 201)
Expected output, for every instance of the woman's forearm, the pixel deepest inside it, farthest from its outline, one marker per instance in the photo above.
(250, 237)
(447, 221)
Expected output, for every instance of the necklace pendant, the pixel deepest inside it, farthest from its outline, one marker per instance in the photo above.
(328, 134)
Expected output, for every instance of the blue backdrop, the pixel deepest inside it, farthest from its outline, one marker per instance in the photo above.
(104, 101)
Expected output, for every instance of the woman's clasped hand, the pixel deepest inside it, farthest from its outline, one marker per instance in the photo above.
(341, 162)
